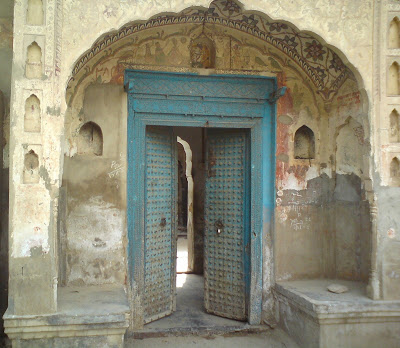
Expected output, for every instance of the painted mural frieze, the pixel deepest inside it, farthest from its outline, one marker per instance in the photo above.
(321, 64)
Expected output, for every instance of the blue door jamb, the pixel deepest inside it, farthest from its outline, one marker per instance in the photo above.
(223, 101)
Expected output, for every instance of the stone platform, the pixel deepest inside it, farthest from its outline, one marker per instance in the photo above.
(91, 316)
(315, 317)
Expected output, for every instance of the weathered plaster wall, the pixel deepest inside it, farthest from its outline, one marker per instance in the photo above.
(6, 29)
(322, 216)
(94, 233)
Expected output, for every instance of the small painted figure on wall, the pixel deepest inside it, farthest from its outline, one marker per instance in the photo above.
(202, 52)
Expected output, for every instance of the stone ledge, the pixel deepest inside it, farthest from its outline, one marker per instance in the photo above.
(314, 317)
(56, 326)
(82, 312)
(312, 297)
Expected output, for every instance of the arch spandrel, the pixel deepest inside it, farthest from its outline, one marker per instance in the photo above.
(322, 65)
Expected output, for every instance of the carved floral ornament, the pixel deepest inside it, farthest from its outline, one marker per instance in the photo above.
(320, 63)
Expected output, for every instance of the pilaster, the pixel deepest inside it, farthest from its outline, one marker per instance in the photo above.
(34, 159)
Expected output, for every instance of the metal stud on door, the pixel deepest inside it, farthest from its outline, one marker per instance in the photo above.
(160, 224)
(227, 223)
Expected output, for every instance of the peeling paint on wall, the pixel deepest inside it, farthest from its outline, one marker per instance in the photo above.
(95, 250)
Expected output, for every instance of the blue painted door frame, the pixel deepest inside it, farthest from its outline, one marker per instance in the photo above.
(220, 101)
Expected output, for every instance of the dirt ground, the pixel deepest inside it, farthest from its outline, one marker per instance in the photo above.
(271, 339)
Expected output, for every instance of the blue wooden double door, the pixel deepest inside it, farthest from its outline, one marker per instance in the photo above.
(226, 222)
(236, 114)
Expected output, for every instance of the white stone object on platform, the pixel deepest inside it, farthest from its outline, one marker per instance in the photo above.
(337, 288)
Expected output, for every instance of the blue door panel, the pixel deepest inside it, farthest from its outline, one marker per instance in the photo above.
(226, 223)
(160, 223)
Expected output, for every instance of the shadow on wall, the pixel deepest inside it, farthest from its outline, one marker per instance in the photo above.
(3, 218)
(6, 54)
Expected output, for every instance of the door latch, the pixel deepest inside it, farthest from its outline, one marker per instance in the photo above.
(163, 222)
(219, 226)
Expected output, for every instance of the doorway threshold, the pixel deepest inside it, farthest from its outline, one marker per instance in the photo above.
(190, 317)
(203, 331)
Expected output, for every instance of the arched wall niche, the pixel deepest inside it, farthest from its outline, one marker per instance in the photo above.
(323, 90)
(394, 133)
(32, 119)
(90, 139)
(34, 65)
(304, 143)
(394, 33)
(393, 83)
(31, 168)
(395, 171)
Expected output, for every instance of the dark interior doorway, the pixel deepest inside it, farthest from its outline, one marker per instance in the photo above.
(190, 164)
